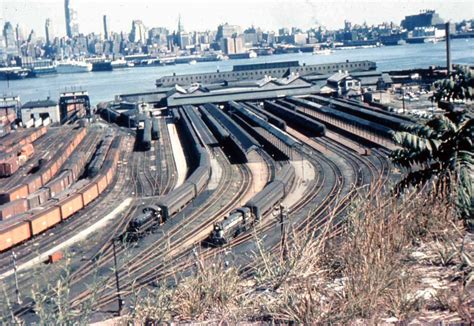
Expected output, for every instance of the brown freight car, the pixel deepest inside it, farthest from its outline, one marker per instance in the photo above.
(34, 183)
(56, 185)
(70, 205)
(89, 193)
(101, 180)
(9, 165)
(13, 232)
(38, 198)
(13, 208)
(20, 191)
(44, 220)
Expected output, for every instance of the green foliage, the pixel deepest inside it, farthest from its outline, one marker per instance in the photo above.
(442, 147)
(458, 86)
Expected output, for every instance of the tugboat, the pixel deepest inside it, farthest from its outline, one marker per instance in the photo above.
(12, 73)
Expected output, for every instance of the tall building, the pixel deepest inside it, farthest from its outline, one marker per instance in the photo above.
(19, 34)
(233, 45)
(424, 19)
(182, 39)
(72, 27)
(10, 40)
(48, 32)
(3, 52)
(138, 33)
(226, 30)
(106, 27)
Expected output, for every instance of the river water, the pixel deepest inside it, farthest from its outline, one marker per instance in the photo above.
(103, 86)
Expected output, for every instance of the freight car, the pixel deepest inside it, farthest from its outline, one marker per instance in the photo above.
(44, 172)
(23, 227)
(293, 117)
(262, 203)
(95, 164)
(155, 129)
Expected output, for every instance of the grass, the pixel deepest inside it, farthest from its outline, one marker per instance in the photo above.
(397, 258)
(369, 273)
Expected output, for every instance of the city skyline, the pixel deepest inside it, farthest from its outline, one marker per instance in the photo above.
(269, 15)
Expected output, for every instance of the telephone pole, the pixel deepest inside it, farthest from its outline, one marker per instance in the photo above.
(15, 269)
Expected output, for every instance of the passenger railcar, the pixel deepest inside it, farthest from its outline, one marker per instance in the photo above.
(155, 129)
(309, 125)
(273, 119)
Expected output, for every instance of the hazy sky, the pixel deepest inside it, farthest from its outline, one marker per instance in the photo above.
(203, 14)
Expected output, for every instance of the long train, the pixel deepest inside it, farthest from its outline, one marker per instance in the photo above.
(46, 173)
(169, 205)
(69, 172)
(24, 227)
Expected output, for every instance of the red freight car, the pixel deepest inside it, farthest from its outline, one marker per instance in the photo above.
(13, 208)
(20, 191)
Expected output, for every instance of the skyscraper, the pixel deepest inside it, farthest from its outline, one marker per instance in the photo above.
(48, 31)
(68, 18)
(10, 40)
(106, 28)
(72, 28)
(138, 32)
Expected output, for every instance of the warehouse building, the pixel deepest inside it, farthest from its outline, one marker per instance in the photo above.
(41, 109)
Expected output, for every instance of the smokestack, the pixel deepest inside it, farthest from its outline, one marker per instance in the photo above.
(448, 47)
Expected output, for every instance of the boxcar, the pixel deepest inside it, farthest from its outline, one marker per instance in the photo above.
(101, 182)
(12, 208)
(12, 233)
(89, 193)
(44, 220)
(70, 205)
(20, 191)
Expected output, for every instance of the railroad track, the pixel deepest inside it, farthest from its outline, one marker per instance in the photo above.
(24, 251)
(111, 198)
(45, 147)
(104, 253)
(172, 244)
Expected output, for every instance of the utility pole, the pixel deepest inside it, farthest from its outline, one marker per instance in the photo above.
(448, 48)
(283, 232)
(117, 283)
(403, 98)
(15, 269)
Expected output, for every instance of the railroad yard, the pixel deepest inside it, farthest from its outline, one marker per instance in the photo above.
(113, 209)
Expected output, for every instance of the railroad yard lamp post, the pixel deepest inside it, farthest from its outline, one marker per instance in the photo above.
(15, 269)
(283, 214)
